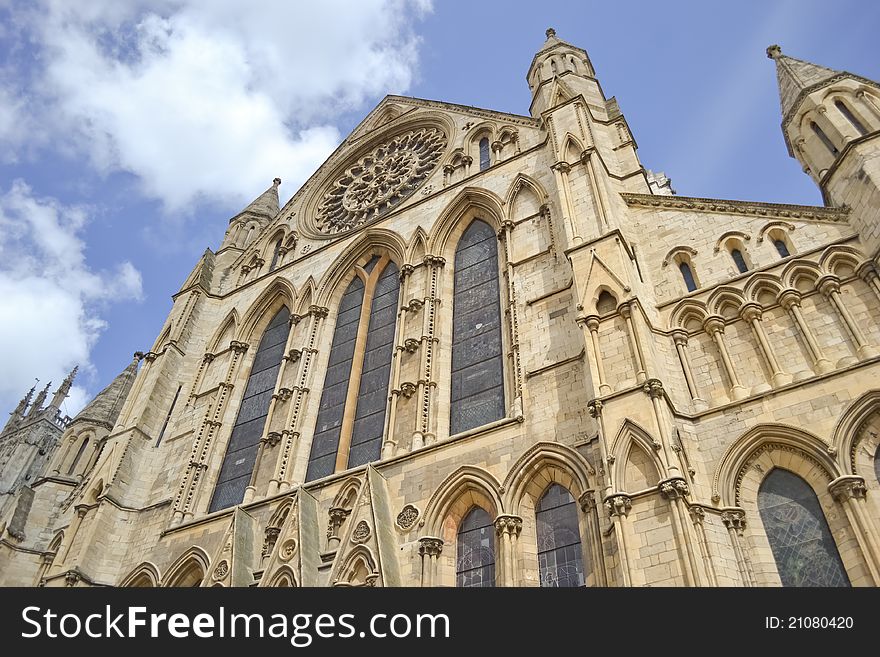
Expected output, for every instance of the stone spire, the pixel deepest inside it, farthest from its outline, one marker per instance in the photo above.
(18, 414)
(265, 206)
(795, 75)
(105, 407)
(64, 388)
(38, 402)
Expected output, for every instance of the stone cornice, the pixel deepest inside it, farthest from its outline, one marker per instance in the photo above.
(744, 208)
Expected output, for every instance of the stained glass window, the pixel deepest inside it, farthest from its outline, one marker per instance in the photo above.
(799, 536)
(477, 370)
(782, 248)
(849, 116)
(737, 256)
(560, 560)
(484, 153)
(241, 451)
(688, 276)
(475, 563)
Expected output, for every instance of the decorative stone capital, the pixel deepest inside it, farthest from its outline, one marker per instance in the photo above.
(273, 438)
(294, 319)
(698, 514)
(673, 489)
(208, 357)
(407, 389)
(337, 517)
(411, 345)
(561, 167)
(238, 347)
(848, 487)
(867, 271)
(734, 518)
(430, 546)
(294, 355)
(434, 261)
(406, 270)
(497, 146)
(592, 322)
(618, 505)
(680, 337)
(789, 299)
(448, 169)
(751, 311)
(71, 577)
(150, 356)
(544, 210)
(414, 305)
(508, 524)
(625, 309)
(269, 540)
(714, 324)
(595, 407)
(653, 388)
(587, 500)
(320, 312)
(283, 394)
(828, 285)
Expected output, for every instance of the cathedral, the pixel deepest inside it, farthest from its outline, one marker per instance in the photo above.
(484, 349)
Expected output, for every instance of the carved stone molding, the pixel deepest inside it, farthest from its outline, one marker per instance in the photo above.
(751, 311)
(734, 519)
(271, 536)
(434, 261)
(411, 345)
(414, 305)
(789, 298)
(674, 488)
(294, 355)
(337, 517)
(653, 388)
(735, 207)
(587, 500)
(407, 389)
(319, 312)
(430, 546)
(273, 438)
(618, 505)
(238, 347)
(508, 524)
(848, 486)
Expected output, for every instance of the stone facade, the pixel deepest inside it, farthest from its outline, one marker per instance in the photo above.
(661, 411)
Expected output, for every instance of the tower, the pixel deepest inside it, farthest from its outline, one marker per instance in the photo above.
(831, 124)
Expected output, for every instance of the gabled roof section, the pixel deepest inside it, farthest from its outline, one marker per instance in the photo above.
(105, 407)
(265, 206)
(794, 76)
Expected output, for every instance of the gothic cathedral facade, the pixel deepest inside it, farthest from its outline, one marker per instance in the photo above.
(484, 349)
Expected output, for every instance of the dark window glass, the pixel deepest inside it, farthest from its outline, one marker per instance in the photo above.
(560, 560)
(241, 451)
(824, 138)
(688, 276)
(79, 453)
(475, 563)
(802, 545)
(477, 370)
(877, 463)
(782, 248)
(275, 255)
(484, 153)
(849, 116)
(369, 419)
(737, 256)
(322, 460)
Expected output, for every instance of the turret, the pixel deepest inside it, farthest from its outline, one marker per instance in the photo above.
(63, 389)
(247, 224)
(18, 414)
(559, 71)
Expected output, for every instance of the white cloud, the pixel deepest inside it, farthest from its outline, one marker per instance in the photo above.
(49, 297)
(212, 99)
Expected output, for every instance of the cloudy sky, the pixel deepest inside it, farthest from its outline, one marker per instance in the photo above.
(131, 131)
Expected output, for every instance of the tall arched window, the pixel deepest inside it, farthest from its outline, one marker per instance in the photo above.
(79, 453)
(358, 372)
(781, 247)
(877, 463)
(241, 451)
(475, 561)
(823, 138)
(739, 260)
(484, 153)
(477, 369)
(560, 559)
(688, 276)
(275, 253)
(799, 536)
(849, 116)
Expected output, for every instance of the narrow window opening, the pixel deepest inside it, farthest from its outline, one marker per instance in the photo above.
(849, 116)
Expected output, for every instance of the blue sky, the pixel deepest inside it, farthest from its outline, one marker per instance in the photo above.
(131, 131)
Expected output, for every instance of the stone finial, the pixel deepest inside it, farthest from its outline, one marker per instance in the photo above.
(276, 181)
(550, 33)
(774, 51)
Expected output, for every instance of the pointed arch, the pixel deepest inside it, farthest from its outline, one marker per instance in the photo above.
(483, 129)
(571, 149)
(348, 494)
(225, 333)
(358, 569)
(464, 488)
(284, 577)
(471, 202)
(306, 296)
(277, 295)
(525, 197)
(544, 463)
(189, 569)
(279, 516)
(418, 246)
(632, 435)
(847, 429)
(275, 237)
(742, 452)
(372, 241)
(146, 575)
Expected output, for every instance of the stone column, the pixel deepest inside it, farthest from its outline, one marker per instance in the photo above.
(626, 311)
(587, 502)
(735, 521)
(791, 301)
(389, 445)
(680, 337)
(587, 160)
(715, 327)
(868, 272)
(850, 491)
(504, 236)
(618, 506)
(591, 322)
(675, 489)
(507, 529)
(425, 430)
(829, 286)
(698, 516)
(654, 389)
(753, 313)
(69, 538)
(866, 98)
(430, 548)
(595, 408)
(337, 517)
(571, 228)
